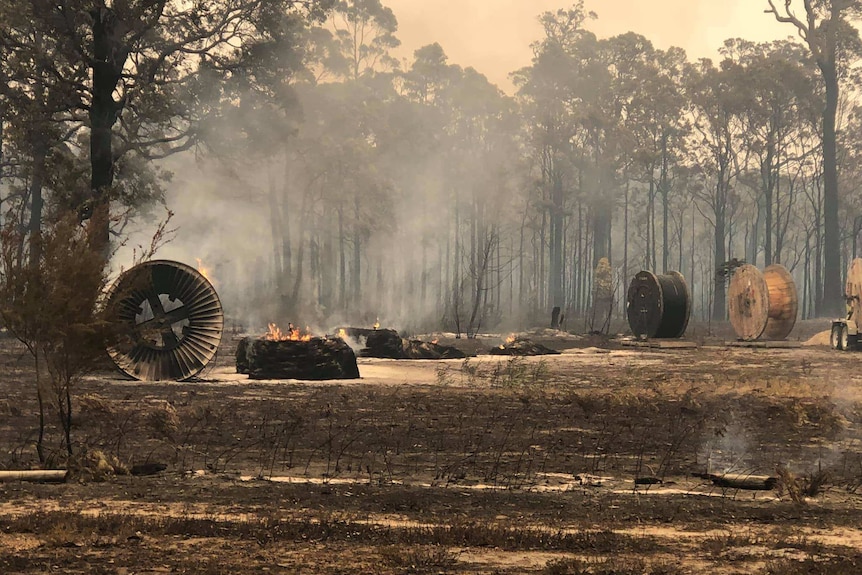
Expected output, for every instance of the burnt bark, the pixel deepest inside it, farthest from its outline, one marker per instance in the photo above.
(109, 57)
(37, 202)
(316, 359)
(834, 301)
(521, 348)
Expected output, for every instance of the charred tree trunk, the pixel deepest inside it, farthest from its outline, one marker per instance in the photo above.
(284, 210)
(818, 258)
(109, 58)
(342, 263)
(357, 253)
(541, 280)
(556, 249)
(767, 181)
(664, 190)
(719, 304)
(626, 231)
(275, 225)
(300, 251)
(832, 288)
(37, 203)
(650, 227)
(484, 258)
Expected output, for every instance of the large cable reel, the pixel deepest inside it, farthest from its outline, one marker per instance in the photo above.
(658, 306)
(762, 305)
(170, 321)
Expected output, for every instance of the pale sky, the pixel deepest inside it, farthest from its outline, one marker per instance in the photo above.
(494, 36)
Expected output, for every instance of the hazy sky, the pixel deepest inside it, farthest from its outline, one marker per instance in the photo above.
(494, 36)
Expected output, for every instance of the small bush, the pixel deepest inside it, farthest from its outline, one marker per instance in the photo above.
(611, 566)
(421, 559)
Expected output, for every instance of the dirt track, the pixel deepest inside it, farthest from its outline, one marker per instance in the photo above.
(488, 465)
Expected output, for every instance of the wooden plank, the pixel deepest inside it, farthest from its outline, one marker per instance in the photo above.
(660, 344)
(741, 480)
(766, 344)
(53, 475)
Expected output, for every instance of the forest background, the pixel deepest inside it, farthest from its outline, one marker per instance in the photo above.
(324, 173)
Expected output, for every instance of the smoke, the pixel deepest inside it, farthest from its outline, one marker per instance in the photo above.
(300, 225)
(495, 36)
(726, 452)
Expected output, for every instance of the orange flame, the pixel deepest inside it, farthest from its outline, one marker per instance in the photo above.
(377, 324)
(342, 333)
(204, 271)
(274, 333)
(511, 338)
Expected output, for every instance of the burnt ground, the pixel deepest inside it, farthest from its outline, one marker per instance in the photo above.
(489, 465)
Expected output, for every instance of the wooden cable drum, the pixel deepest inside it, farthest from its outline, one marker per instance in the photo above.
(763, 305)
(658, 306)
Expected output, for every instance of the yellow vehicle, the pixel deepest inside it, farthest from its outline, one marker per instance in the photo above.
(845, 331)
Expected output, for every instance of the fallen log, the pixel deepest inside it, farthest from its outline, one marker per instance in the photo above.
(522, 347)
(648, 480)
(147, 468)
(44, 475)
(416, 349)
(741, 481)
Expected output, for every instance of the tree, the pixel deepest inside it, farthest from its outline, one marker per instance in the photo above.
(778, 94)
(365, 31)
(147, 66)
(52, 307)
(551, 90)
(133, 80)
(716, 106)
(826, 30)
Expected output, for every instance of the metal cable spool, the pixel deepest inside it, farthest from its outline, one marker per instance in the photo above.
(658, 306)
(763, 305)
(170, 320)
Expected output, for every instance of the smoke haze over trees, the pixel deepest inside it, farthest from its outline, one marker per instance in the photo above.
(322, 180)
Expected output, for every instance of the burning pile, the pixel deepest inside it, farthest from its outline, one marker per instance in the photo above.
(514, 345)
(274, 333)
(387, 344)
(292, 354)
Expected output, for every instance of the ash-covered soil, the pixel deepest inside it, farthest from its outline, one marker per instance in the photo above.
(485, 465)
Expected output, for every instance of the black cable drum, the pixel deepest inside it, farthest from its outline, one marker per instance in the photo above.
(170, 321)
(658, 306)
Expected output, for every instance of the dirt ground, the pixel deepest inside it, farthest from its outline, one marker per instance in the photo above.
(488, 465)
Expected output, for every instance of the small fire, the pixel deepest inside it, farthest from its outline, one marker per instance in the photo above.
(342, 333)
(274, 333)
(434, 341)
(377, 323)
(509, 340)
(204, 271)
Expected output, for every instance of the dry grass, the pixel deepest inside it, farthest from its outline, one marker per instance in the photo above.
(417, 478)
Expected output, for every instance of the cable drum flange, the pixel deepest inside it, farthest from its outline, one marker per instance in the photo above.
(658, 306)
(170, 321)
(762, 305)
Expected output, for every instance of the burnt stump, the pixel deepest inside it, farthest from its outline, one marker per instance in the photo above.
(318, 358)
(388, 344)
(521, 348)
(416, 349)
